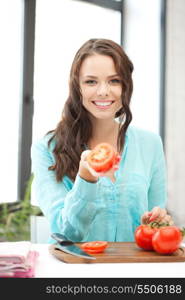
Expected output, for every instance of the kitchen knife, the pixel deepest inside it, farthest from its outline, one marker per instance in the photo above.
(69, 247)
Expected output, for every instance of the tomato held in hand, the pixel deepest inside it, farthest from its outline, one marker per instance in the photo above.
(103, 157)
(167, 239)
(94, 247)
(144, 235)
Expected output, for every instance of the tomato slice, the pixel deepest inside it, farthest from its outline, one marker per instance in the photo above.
(90, 251)
(94, 246)
(102, 157)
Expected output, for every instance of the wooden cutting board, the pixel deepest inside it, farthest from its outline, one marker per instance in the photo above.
(121, 252)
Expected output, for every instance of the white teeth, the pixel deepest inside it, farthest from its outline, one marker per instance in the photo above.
(103, 103)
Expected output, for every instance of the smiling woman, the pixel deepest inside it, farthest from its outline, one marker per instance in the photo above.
(107, 205)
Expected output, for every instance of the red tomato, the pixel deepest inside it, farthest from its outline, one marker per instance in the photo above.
(167, 239)
(143, 236)
(94, 247)
(90, 251)
(102, 157)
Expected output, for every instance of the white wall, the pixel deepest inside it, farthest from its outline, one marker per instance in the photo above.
(175, 109)
(142, 44)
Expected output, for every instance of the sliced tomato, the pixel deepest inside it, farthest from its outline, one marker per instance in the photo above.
(103, 157)
(94, 246)
(90, 251)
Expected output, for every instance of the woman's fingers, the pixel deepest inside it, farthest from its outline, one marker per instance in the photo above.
(168, 219)
(92, 171)
(145, 217)
(84, 155)
(118, 158)
(86, 165)
(115, 167)
(158, 214)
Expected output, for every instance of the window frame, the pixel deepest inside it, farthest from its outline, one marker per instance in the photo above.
(112, 4)
(27, 103)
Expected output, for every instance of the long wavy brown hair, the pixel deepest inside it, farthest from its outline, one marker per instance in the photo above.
(75, 129)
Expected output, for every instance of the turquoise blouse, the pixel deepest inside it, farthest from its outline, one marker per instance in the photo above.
(85, 211)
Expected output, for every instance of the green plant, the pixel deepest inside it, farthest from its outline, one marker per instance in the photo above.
(15, 218)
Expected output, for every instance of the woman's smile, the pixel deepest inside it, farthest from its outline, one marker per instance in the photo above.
(103, 104)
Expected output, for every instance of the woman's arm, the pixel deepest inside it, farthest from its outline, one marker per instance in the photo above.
(70, 208)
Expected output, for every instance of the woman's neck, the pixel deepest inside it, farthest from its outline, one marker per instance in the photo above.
(104, 131)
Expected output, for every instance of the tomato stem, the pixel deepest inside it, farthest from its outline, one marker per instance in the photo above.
(158, 224)
(182, 231)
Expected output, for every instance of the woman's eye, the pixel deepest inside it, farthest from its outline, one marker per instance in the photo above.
(91, 82)
(115, 80)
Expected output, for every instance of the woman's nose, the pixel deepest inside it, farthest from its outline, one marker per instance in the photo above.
(103, 89)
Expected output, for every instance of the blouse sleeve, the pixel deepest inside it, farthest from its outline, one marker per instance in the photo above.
(70, 211)
(157, 194)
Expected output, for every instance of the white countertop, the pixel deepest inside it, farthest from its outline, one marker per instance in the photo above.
(50, 267)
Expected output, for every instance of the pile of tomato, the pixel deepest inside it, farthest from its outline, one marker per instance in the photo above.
(164, 239)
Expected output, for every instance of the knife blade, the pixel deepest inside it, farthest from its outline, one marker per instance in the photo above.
(69, 247)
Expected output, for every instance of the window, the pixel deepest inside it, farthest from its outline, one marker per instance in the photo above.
(61, 28)
(11, 32)
(142, 42)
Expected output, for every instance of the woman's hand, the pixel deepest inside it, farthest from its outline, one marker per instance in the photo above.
(157, 214)
(89, 174)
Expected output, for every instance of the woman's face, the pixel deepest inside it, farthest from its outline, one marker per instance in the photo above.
(100, 86)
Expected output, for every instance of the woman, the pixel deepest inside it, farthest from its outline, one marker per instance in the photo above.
(80, 203)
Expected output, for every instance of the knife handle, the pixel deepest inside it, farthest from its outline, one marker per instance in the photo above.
(60, 238)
